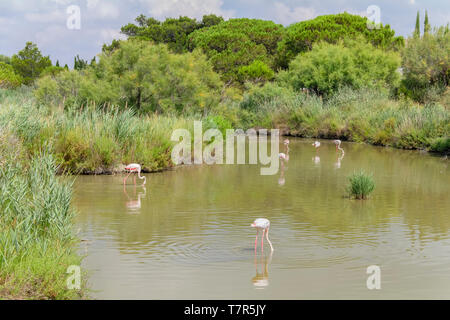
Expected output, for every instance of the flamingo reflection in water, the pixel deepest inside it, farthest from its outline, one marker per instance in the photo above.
(281, 179)
(339, 158)
(134, 205)
(261, 279)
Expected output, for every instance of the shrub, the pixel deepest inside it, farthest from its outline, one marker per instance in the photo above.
(360, 185)
(441, 145)
(256, 72)
(351, 63)
(8, 78)
(426, 65)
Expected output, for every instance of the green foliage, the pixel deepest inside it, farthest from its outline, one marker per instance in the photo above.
(52, 71)
(173, 32)
(426, 64)
(256, 72)
(360, 185)
(417, 28)
(8, 78)
(426, 24)
(441, 145)
(79, 64)
(235, 43)
(141, 75)
(351, 63)
(36, 240)
(5, 59)
(29, 63)
(257, 97)
(301, 36)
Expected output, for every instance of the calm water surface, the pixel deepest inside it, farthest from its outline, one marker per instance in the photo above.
(187, 235)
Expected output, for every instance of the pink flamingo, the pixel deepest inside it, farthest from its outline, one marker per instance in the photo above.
(262, 224)
(338, 145)
(316, 144)
(134, 167)
(285, 156)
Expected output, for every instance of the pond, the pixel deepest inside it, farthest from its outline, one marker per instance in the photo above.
(187, 234)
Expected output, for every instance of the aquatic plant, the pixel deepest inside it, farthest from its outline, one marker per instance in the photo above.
(360, 185)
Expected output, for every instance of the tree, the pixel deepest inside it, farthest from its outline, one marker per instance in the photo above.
(350, 63)
(173, 32)
(417, 29)
(140, 75)
(79, 64)
(5, 59)
(57, 63)
(235, 43)
(301, 36)
(426, 64)
(426, 27)
(8, 78)
(29, 63)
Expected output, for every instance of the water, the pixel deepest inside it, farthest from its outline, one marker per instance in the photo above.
(187, 235)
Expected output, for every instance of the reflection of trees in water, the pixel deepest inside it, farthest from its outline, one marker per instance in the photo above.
(198, 200)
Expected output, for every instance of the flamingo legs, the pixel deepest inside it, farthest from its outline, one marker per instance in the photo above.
(266, 232)
(134, 178)
(124, 180)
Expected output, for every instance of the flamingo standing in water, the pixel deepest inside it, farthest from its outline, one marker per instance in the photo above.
(338, 145)
(316, 144)
(285, 156)
(262, 224)
(134, 167)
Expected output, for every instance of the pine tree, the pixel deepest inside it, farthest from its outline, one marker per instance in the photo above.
(417, 30)
(57, 63)
(426, 28)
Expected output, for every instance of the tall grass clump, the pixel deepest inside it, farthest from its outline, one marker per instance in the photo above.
(360, 185)
(36, 240)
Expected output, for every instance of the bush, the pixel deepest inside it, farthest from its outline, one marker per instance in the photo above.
(441, 145)
(351, 63)
(8, 78)
(256, 72)
(360, 185)
(426, 65)
(301, 36)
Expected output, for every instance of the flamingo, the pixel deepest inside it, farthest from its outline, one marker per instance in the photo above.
(262, 224)
(285, 156)
(338, 145)
(316, 144)
(134, 167)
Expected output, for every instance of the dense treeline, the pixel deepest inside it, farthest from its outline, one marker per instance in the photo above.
(188, 67)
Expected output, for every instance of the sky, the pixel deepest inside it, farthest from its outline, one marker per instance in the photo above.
(65, 28)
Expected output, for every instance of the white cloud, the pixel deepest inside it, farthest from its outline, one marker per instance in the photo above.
(191, 8)
(52, 35)
(285, 15)
(107, 35)
(105, 9)
(52, 16)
